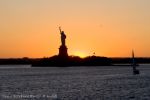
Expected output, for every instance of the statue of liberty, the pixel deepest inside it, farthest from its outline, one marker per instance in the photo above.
(63, 37)
(63, 48)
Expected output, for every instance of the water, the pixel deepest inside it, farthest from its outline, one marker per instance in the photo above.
(73, 83)
(14, 66)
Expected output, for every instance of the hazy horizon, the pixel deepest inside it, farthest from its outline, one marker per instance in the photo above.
(111, 28)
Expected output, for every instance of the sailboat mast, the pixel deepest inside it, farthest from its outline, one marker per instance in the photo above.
(133, 59)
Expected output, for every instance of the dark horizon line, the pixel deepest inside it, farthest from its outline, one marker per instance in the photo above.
(70, 56)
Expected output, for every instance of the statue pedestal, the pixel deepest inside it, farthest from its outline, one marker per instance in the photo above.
(63, 51)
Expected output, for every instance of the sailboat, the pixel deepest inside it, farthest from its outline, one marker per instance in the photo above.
(134, 65)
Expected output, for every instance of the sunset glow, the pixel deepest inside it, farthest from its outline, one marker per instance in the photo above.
(111, 28)
(80, 54)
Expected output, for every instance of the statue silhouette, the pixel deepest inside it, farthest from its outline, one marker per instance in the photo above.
(63, 48)
(63, 37)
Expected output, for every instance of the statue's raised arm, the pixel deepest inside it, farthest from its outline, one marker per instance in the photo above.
(60, 30)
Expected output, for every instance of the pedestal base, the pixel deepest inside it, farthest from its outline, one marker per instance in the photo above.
(63, 51)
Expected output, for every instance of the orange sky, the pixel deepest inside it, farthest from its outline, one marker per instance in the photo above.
(112, 28)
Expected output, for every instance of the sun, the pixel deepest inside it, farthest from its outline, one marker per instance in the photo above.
(80, 54)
